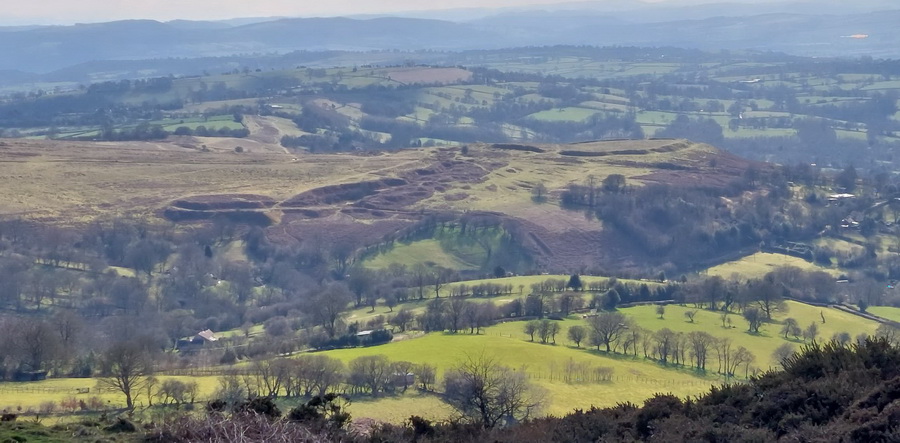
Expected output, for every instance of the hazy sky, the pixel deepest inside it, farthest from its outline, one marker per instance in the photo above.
(84, 11)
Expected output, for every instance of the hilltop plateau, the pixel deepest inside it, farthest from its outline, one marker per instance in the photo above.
(357, 200)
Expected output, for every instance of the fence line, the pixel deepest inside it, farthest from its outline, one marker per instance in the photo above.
(10, 388)
(573, 379)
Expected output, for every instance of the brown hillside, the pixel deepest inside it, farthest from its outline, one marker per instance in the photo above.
(358, 199)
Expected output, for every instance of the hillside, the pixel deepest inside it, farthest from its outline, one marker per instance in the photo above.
(358, 201)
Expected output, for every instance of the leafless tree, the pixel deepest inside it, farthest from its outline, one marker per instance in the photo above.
(782, 353)
(126, 366)
(754, 319)
(812, 332)
(700, 344)
(372, 372)
(663, 341)
(37, 341)
(316, 375)
(887, 332)
(491, 394)
(606, 328)
(790, 327)
(577, 334)
(329, 304)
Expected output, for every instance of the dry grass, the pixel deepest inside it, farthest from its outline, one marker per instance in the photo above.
(74, 182)
(77, 181)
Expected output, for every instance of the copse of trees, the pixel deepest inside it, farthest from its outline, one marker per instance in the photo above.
(316, 375)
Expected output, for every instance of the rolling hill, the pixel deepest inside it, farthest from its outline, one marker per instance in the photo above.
(359, 201)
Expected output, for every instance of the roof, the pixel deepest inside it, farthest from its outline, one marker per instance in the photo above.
(208, 335)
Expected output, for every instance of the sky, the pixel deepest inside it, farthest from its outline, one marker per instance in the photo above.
(18, 12)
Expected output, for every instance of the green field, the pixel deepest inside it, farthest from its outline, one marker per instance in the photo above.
(448, 248)
(889, 312)
(429, 252)
(762, 345)
(634, 378)
(575, 114)
(638, 379)
(29, 397)
(761, 263)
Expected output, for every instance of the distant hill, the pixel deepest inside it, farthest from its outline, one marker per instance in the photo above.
(815, 32)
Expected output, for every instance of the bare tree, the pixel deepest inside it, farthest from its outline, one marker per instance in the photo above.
(372, 372)
(401, 369)
(754, 319)
(886, 332)
(329, 305)
(633, 337)
(664, 344)
(782, 353)
(420, 279)
(700, 344)
(790, 326)
(531, 327)
(768, 298)
(842, 338)
(427, 375)
(455, 311)
(491, 394)
(126, 366)
(316, 375)
(360, 282)
(606, 328)
(37, 342)
(577, 334)
(439, 277)
(689, 314)
(548, 331)
(403, 319)
(811, 332)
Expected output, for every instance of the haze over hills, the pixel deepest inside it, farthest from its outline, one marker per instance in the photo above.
(795, 28)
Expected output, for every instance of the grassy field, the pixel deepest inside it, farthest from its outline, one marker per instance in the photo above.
(762, 345)
(564, 114)
(29, 397)
(638, 379)
(521, 286)
(634, 378)
(837, 244)
(888, 312)
(49, 179)
(448, 248)
(429, 252)
(761, 263)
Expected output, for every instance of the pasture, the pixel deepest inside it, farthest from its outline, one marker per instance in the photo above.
(761, 263)
(429, 252)
(889, 312)
(633, 379)
(576, 114)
